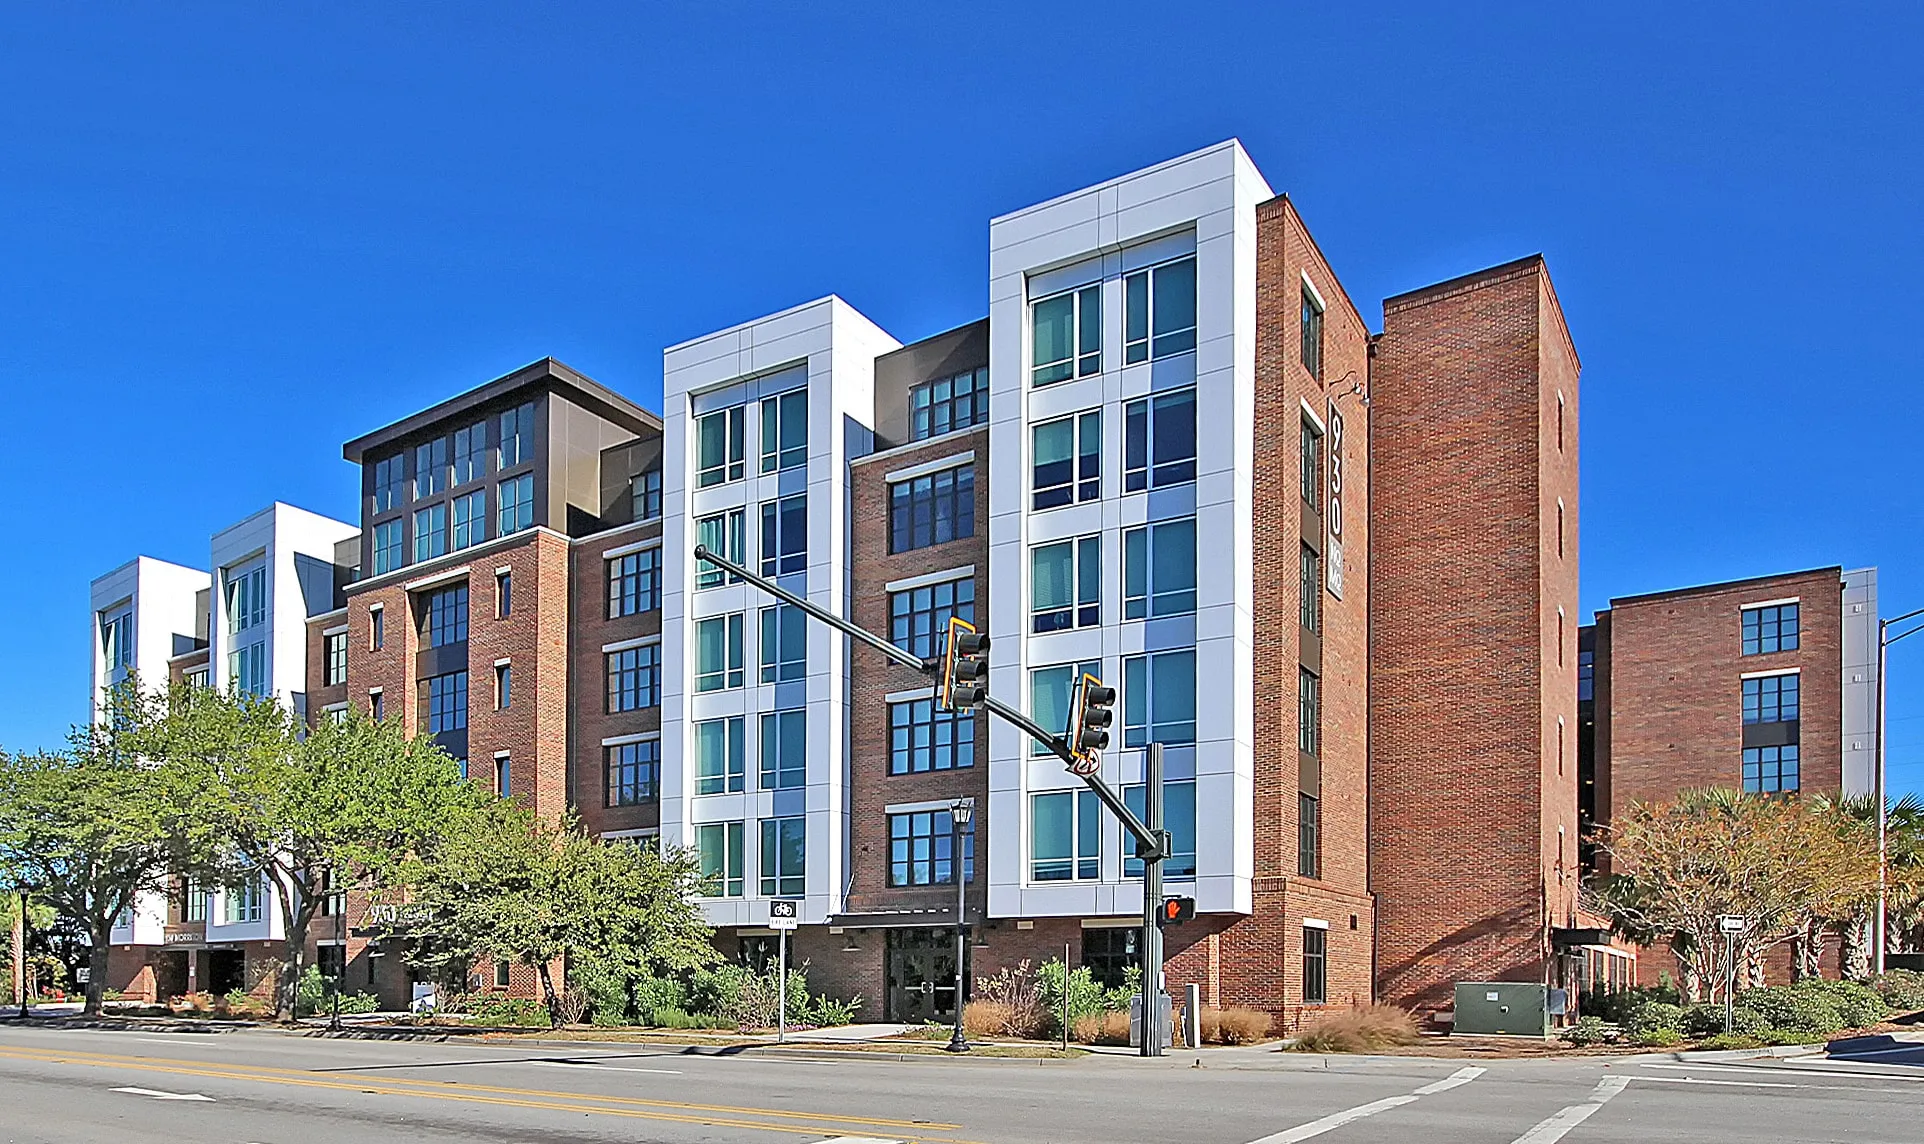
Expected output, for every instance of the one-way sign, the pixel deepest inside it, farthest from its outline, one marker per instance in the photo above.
(783, 914)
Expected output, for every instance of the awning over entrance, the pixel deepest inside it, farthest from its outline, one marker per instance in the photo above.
(893, 919)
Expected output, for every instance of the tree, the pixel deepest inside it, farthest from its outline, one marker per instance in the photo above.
(509, 886)
(1679, 867)
(353, 798)
(1855, 818)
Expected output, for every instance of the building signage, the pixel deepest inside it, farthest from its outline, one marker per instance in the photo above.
(1333, 546)
(393, 914)
(185, 937)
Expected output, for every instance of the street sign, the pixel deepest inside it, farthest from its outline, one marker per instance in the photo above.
(1731, 923)
(783, 914)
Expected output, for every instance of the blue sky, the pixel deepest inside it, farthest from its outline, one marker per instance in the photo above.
(232, 238)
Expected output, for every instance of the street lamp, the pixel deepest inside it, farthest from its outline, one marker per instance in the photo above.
(961, 811)
(1884, 641)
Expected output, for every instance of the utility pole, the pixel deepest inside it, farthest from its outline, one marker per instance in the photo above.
(1884, 641)
(20, 952)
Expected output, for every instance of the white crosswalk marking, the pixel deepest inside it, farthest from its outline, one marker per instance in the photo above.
(1556, 1127)
(1336, 1120)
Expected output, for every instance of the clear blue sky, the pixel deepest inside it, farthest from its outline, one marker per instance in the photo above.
(233, 237)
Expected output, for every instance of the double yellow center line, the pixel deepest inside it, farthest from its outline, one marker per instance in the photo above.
(721, 1115)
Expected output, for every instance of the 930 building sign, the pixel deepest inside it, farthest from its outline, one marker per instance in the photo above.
(1333, 547)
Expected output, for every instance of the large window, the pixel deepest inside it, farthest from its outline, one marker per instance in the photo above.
(718, 652)
(724, 535)
(1309, 835)
(645, 489)
(247, 669)
(1771, 699)
(1065, 584)
(720, 847)
(517, 436)
(470, 519)
(243, 902)
(634, 678)
(1769, 770)
(922, 849)
(1067, 335)
(923, 738)
(1586, 675)
(1110, 952)
(1050, 689)
(335, 651)
(1310, 460)
(444, 616)
(1309, 711)
(1312, 333)
(919, 617)
(785, 431)
(1159, 311)
(470, 453)
(390, 482)
(1769, 629)
(387, 546)
(517, 504)
(948, 404)
(447, 702)
(721, 447)
(634, 583)
(246, 599)
(117, 640)
(933, 509)
(430, 468)
(784, 644)
(1159, 441)
(430, 532)
(1065, 836)
(1159, 698)
(1178, 818)
(634, 772)
(1159, 569)
(1068, 460)
(784, 750)
(719, 757)
(785, 535)
(784, 857)
(1309, 590)
(1315, 965)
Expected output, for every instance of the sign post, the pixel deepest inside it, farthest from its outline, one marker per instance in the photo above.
(1730, 925)
(783, 916)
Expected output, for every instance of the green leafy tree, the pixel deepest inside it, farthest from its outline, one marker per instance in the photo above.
(1855, 819)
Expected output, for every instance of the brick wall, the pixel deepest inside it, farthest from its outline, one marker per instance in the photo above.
(320, 695)
(592, 721)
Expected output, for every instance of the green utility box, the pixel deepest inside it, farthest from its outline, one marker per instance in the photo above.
(1516, 1008)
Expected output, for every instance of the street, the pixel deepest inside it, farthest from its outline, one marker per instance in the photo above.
(72, 1085)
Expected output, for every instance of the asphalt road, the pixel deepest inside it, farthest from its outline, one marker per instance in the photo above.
(70, 1085)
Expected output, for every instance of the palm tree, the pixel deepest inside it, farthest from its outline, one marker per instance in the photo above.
(1904, 846)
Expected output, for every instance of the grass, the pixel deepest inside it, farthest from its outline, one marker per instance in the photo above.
(1363, 1029)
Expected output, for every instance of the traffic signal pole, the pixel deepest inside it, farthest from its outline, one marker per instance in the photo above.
(1152, 904)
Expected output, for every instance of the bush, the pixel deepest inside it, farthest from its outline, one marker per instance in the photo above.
(1902, 989)
(1652, 1017)
(653, 995)
(313, 996)
(1707, 1020)
(517, 1012)
(1792, 1007)
(982, 1018)
(1359, 1030)
(1086, 998)
(1617, 1007)
(1660, 1038)
(1015, 992)
(1857, 1004)
(673, 1018)
(1105, 1028)
(1588, 1030)
(748, 1000)
(1237, 1026)
(1732, 1041)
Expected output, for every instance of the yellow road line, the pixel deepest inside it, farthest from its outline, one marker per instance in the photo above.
(685, 1113)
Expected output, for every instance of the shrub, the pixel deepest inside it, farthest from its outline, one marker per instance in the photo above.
(1660, 1038)
(518, 1012)
(1017, 990)
(1707, 1020)
(1236, 1026)
(1651, 1017)
(1105, 1028)
(1358, 1030)
(982, 1018)
(1792, 1007)
(1086, 998)
(1857, 1004)
(654, 995)
(1732, 1041)
(1588, 1030)
(313, 996)
(827, 1012)
(673, 1018)
(1902, 989)
(1618, 1006)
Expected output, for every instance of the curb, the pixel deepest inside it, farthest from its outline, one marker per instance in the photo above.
(677, 1049)
(1708, 1055)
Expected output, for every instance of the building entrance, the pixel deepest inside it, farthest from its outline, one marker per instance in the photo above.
(921, 975)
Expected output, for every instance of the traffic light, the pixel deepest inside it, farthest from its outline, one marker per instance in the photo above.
(965, 666)
(1089, 721)
(1176, 911)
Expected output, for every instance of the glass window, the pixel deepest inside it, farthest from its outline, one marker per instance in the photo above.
(723, 534)
(1312, 333)
(784, 857)
(247, 669)
(1769, 770)
(1065, 584)
(934, 509)
(1770, 629)
(634, 772)
(387, 546)
(634, 583)
(502, 775)
(1586, 676)
(1159, 311)
(720, 846)
(784, 644)
(246, 599)
(517, 436)
(1067, 332)
(1110, 952)
(1309, 590)
(1310, 457)
(377, 627)
(517, 504)
(645, 489)
(924, 738)
(194, 905)
(634, 678)
(785, 535)
(719, 758)
(503, 686)
(447, 702)
(503, 595)
(720, 446)
(951, 403)
(430, 468)
(1309, 711)
(243, 902)
(785, 431)
(1159, 698)
(1050, 689)
(1178, 818)
(470, 519)
(919, 617)
(1309, 835)
(1771, 699)
(718, 652)
(784, 750)
(1159, 569)
(470, 453)
(1068, 460)
(1159, 441)
(336, 653)
(1065, 836)
(117, 640)
(390, 482)
(922, 849)
(444, 616)
(1315, 965)
(430, 532)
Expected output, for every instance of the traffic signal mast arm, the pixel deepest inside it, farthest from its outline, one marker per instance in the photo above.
(1148, 846)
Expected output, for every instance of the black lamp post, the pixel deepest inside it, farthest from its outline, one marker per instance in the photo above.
(961, 811)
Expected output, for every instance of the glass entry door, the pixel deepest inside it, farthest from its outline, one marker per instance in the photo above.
(921, 975)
